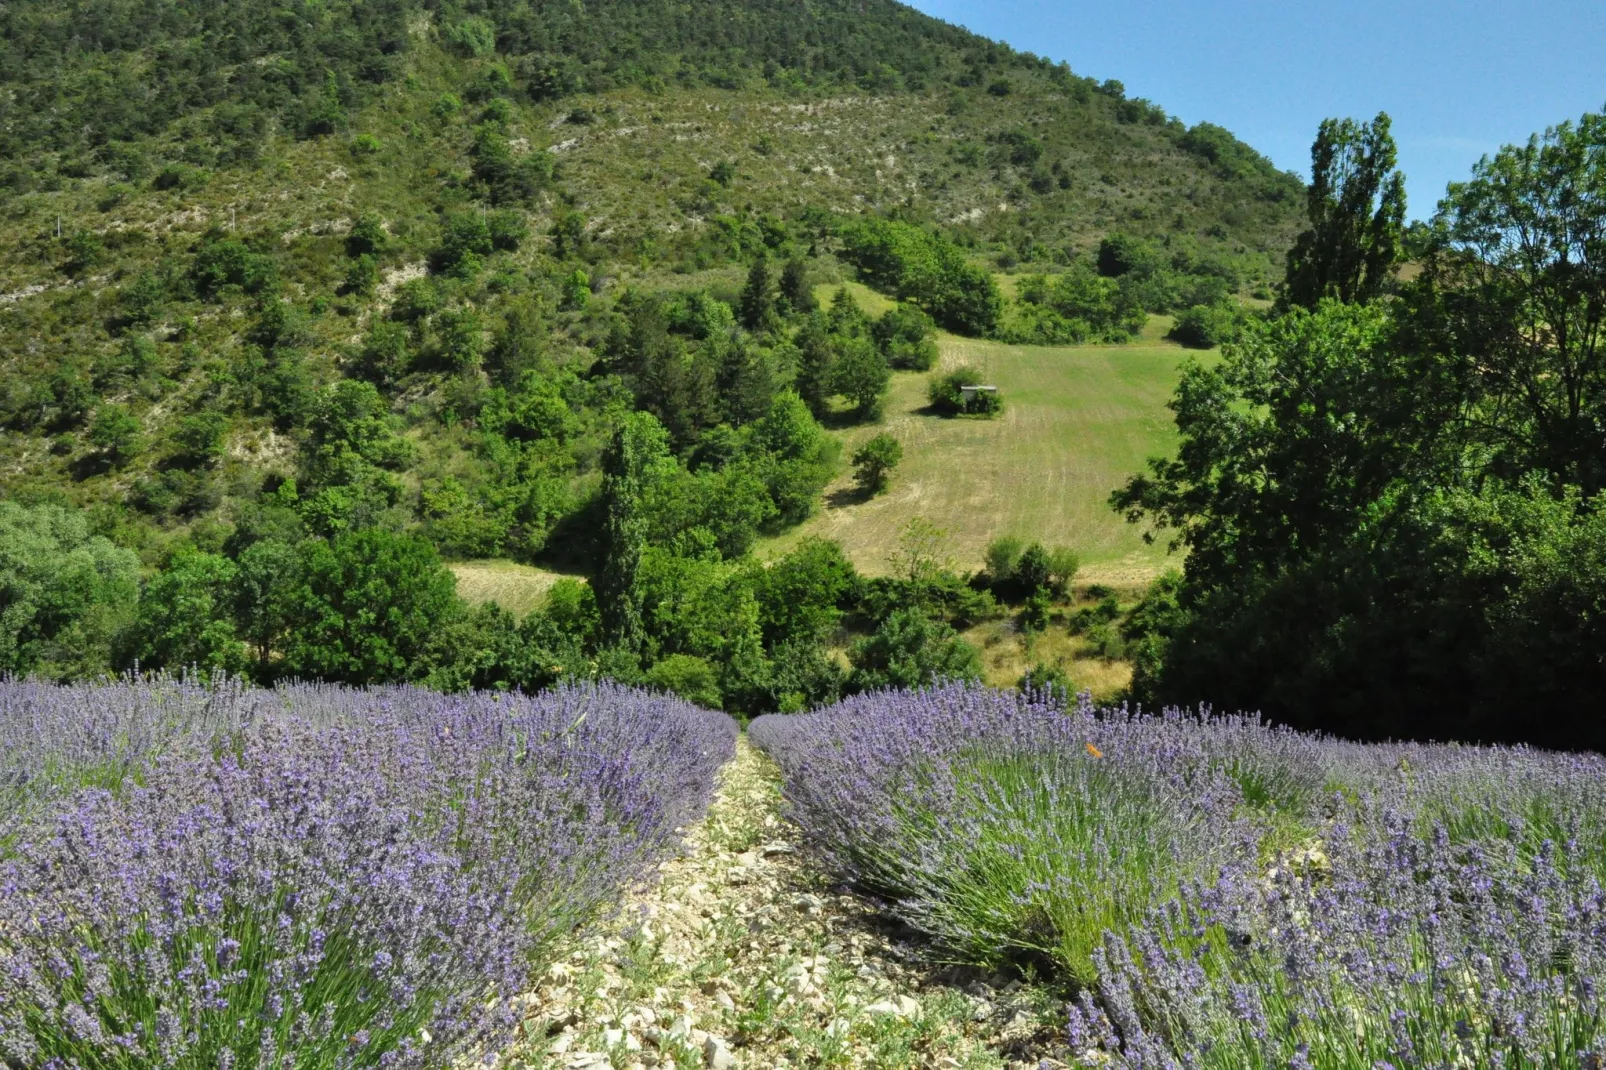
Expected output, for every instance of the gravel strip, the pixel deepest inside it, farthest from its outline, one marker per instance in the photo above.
(743, 955)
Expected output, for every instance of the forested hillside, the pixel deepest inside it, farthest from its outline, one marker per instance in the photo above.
(278, 276)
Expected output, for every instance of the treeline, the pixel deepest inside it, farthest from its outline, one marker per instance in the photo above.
(1391, 491)
(667, 609)
(1110, 299)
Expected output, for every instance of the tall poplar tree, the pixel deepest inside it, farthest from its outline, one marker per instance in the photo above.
(1356, 205)
(639, 451)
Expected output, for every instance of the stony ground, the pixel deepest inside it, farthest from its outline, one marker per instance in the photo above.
(743, 955)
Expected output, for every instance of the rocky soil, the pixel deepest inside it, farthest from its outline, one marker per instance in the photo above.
(743, 955)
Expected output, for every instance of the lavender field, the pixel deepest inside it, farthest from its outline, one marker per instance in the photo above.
(1218, 893)
(315, 877)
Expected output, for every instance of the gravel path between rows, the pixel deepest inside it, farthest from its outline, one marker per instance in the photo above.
(743, 955)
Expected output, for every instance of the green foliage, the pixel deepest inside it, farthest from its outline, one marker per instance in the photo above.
(367, 236)
(465, 240)
(201, 438)
(801, 597)
(874, 461)
(758, 302)
(362, 276)
(65, 593)
(638, 457)
(1208, 326)
(1356, 206)
(947, 395)
(906, 336)
(184, 617)
(369, 602)
(1377, 499)
(116, 432)
(927, 269)
(1078, 305)
(692, 678)
(860, 374)
(1048, 681)
(795, 292)
(472, 36)
(221, 263)
(910, 649)
(1001, 557)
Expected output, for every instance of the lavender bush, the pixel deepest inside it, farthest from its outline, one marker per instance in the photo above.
(1001, 825)
(1223, 893)
(316, 877)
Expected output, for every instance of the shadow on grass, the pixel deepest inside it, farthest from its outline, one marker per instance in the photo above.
(846, 496)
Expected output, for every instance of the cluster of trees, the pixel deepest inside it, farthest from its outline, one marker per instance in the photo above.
(376, 605)
(1391, 491)
(1111, 299)
(927, 268)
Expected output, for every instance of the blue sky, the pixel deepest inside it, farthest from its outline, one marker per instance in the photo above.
(1458, 79)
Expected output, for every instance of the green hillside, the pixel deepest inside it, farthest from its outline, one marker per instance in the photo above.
(277, 275)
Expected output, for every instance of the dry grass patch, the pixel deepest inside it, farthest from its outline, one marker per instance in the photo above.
(516, 588)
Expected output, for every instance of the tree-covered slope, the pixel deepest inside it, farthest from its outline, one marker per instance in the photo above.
(402, 254)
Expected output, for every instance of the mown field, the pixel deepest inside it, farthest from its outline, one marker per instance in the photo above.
(1078, 421)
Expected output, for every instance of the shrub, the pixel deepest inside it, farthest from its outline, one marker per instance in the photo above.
(909, 649)
(67, 593)
(1002, 553)
(367, 236)
(1207, 326)
(947, 395)
(116, 432)
(927, 269)
(692, 678)
(906, 336)
(201, 438)
(874, 461)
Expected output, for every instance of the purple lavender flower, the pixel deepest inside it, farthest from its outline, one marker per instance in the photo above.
(315, 877)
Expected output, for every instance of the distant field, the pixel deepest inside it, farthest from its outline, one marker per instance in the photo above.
(1078, 421)
(516, 588)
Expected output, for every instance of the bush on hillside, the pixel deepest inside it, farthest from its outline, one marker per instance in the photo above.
(947, 395)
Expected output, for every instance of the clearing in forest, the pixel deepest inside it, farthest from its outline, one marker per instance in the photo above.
(1077, 422)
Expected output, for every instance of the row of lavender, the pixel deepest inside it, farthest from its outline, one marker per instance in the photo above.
(314, 877)
(1225, 894)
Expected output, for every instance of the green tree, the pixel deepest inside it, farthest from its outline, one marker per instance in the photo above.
(368, 604)
(874, 461)
(267, 579)
(185, 619)
(568, 235)
(816, 365)
(798, 457)
(116, 432)
(802, 596)
(65, 593)
(690, 677)
(796, 294)
(638, 458)
(1356, 207)
(906, 336)
(910, 649)
(383, 356)
(1002, 555)
(367, 236)
(860, 374)
(758, 296)
(202, 438)
(1513, 298)
(459, 339)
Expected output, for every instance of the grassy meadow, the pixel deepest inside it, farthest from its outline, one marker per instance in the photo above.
(516, 588)
(1077, 422)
